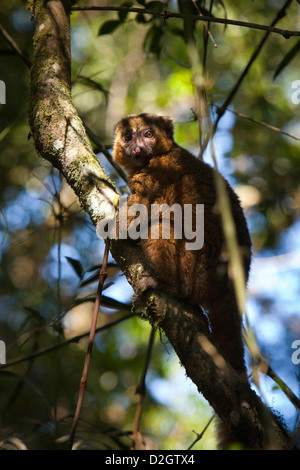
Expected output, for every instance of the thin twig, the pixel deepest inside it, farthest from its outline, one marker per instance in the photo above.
(59, 218)
(14, 45)
(260, 364)
(261, 123)
(141, 391)
(286, 390)
(206, 26)
(165, 14)
(236, 87)
(230, 233)
(199, 82)
(102, 277)
(199, 436)
(62, 344)
(205, 40)
(233, 92)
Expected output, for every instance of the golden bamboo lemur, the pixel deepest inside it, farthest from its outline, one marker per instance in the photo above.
(162, 172)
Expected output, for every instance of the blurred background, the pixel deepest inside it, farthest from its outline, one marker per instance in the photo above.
(49, 251)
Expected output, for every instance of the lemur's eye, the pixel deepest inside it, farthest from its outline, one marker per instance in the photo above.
(149, 134)
(127, 136)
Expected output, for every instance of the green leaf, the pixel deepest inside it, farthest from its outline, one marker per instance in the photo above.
(34, 314)
(76, 265)
(107, 302)
(107, 285)
(140, 18)
(123, 14)
(141, 2)
(188, 8)
(81, 300)
(93, 84)
(115, 304)
(91, 279)
(275, 387)
(152, 43)
(287, 59)
(98, 266)
(109, 26)
(93, 268)
(155, 6)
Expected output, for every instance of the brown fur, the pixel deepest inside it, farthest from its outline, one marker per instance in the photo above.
(162, 172)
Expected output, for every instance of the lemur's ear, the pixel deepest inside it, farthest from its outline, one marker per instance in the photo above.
(169, 127)
(161, 122)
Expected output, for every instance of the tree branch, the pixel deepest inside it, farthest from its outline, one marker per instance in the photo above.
(62, 344)
(165, 14)
(261, 123)
(14, 46)
(221, 110)
(280, 14)
(235, 403)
